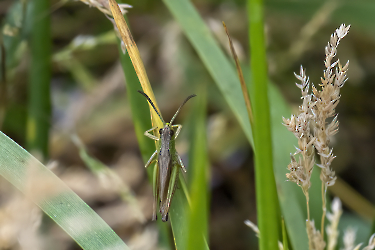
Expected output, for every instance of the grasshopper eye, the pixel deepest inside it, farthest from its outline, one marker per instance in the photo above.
(160, 131)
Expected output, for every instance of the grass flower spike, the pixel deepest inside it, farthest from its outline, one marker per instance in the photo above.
(313, 131)
(326, 101)
(300, 171)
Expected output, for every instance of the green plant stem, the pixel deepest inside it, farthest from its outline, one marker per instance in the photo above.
(198, 173)
(266, 195)
(39, 111)
(285, 235)
(3, 83)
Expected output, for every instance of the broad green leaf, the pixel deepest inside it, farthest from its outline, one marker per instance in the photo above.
(56, 199)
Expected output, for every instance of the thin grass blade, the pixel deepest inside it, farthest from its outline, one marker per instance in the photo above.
(285, 236)
(39, 112)
(266, 196)
(197, 223)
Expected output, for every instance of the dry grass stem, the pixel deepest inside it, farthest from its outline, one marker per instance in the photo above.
(245, 91)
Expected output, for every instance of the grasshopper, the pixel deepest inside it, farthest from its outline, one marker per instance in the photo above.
(167, 160)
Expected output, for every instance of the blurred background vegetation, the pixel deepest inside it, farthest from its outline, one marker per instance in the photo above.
(89, 99)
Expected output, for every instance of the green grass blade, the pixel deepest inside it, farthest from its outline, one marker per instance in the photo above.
(217, 64)
(13, 115)
(40, 77)
(56, 199)
(198, 175)
(266, 196)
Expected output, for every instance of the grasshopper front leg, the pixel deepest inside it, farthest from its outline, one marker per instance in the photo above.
(147, 133)
(179, 127)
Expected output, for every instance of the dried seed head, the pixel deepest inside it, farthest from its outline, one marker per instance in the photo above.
(315, 237)
(103, 6)
(349, 238)
(371, 243)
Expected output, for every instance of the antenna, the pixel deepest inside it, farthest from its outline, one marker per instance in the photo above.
(152, 104)
(178, 110)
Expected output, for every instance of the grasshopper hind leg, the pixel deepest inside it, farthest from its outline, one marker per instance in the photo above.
(180, 162)
(152, 159)
(155, 191)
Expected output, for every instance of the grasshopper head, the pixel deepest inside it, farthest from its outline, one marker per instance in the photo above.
(167, 132)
